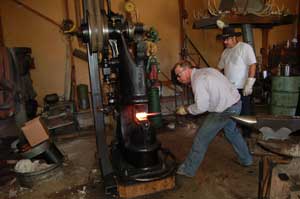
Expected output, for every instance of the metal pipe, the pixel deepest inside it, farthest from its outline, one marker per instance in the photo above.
(196, 49)
(247, 32)
(78, 14)
(108, 8)
(84, 11)
(101, 4)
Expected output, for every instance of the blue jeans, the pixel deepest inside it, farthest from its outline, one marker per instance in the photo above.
(247, 109)
(211, 126)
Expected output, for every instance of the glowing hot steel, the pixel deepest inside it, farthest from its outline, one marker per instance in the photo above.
(143, 116)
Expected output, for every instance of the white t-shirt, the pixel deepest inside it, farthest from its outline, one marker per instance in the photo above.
(236, 61)
(212, 91)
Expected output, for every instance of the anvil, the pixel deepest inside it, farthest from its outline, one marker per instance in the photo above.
(271, 126)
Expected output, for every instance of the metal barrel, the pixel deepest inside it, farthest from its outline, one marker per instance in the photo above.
(154, 107)
(30, 179)
(83, 96)
(285, 92)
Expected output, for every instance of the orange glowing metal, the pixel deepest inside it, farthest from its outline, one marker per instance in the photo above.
(142, 116)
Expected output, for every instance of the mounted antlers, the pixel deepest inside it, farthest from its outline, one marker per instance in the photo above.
(269, 8)
(212, 9)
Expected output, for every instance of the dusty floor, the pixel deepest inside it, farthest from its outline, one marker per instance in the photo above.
(218, 177)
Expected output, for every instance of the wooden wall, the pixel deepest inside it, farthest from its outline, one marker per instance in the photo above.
(23, 28)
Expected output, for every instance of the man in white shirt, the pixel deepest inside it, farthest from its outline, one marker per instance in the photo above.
(213, 93)
(239, 64)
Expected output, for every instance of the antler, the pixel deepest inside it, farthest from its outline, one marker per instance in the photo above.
(196, 14)
(267, 10)
(212, 9)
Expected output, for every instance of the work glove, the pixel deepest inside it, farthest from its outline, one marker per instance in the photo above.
(181, 110)
(248, 86)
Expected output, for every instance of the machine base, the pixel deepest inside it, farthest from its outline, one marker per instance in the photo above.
(128, 174)
(145, 188)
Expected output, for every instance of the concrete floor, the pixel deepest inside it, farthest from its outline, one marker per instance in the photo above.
(218, 177)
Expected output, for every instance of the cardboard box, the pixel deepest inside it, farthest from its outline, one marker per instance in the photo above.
(35, 131)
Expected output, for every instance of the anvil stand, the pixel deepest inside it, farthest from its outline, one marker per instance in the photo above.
(274, 153)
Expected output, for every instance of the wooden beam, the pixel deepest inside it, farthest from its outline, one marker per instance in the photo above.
(181, 5)
(66, 14)
(146, 188)
(78, 12)
(252, 19)
(265, 48)
(247, 19)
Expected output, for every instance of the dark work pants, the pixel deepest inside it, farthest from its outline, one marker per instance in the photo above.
(247, 109)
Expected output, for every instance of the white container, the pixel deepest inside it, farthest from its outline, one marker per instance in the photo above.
(287, 70)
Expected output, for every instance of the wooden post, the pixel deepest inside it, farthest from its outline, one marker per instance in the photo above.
(181, 4)
(1, 32)
(73, 69)
(297, 20)
(78, 15)
(265, 46)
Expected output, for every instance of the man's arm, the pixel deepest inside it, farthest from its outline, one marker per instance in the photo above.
(248, 88)
(201, 98)
(220, 69)
(221, 64)
(252, 70)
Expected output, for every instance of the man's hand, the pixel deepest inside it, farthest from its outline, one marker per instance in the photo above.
(181, 110)
(248, 86)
